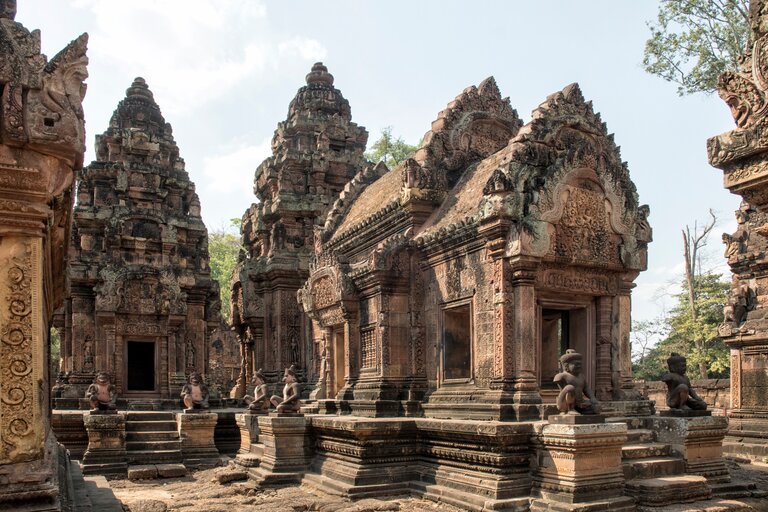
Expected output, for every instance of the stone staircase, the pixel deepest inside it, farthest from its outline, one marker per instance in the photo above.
(655, 475)
(152, 438)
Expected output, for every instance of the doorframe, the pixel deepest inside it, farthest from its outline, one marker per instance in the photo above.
(142, 393)
(570, 304)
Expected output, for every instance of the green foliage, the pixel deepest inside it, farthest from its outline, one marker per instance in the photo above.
(678, 331)
(55, 351)
(693, 41)
(223, 248)
(389, 149)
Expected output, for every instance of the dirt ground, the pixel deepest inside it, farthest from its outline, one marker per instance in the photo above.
(201, 492)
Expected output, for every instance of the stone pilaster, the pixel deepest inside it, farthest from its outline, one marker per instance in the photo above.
(699, 440)
(526, 394)
(196, 433)
(106, 453)
(578, 467)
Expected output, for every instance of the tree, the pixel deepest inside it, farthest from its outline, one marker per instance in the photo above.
(55, 341)
(693, 242)
(676, 332)
(223, 248)
(389, 149)
(693, 41)
(645, 335)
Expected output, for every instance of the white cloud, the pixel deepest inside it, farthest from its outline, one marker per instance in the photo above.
(307, 49)
(190, 51)
(228, 172)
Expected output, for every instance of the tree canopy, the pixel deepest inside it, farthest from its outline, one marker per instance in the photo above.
(223, 248)
(679, 330)
(389, 149)
(693, 41)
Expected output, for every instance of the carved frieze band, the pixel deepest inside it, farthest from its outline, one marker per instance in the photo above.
(20, 354)
(577, 280)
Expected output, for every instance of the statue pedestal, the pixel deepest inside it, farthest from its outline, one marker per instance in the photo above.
(250, 452)
(105, 454)
(699, 440)
(578, 467)
(286, 449)
(249, 429)
(196, 434)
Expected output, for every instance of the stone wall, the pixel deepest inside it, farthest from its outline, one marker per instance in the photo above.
(716, 392)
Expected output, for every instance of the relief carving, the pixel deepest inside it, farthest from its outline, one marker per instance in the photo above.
(583, 233)
(18, 353)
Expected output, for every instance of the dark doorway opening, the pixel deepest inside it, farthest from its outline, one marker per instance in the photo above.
(555, 340)
(141, 366)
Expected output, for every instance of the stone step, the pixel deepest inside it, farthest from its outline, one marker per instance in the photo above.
(713, 505)
(173, 444)
(640, 435)
(652, 468)
(150, 416)
(139, 457)
(80, 500)
(100, 495)
(668, 490)
(644, 450)
(149, 435)
(154, 426)
(731, 490)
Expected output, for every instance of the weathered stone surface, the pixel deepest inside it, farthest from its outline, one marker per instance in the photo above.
(196, 432)
(580, 465)
(742, 155)
(106, 453)
(138, 261)
(231, 475)
(171, 470)
(699, 441)
(248, 424)
(287, 450)
(42, 138)
(142, 472)
(317, 150)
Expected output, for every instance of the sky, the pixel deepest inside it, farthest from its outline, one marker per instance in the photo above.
(224, 72)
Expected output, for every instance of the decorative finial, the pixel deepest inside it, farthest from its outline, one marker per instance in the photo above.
(8, 9)
(319, 75)
(138, 88)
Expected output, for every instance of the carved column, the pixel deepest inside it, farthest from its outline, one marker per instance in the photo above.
(622, 327)
(603, 386)
(525, 349)
(41, 143)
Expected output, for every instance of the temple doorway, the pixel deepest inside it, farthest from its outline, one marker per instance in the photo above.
(141, 366)
(562, 327)
(338, 362)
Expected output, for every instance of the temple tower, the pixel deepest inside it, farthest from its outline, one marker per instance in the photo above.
(315, 153)
(41, 146)
(742, 154)
(142, 302)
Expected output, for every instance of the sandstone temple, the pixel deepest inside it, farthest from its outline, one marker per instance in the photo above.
(141, 301)
(455, 328)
